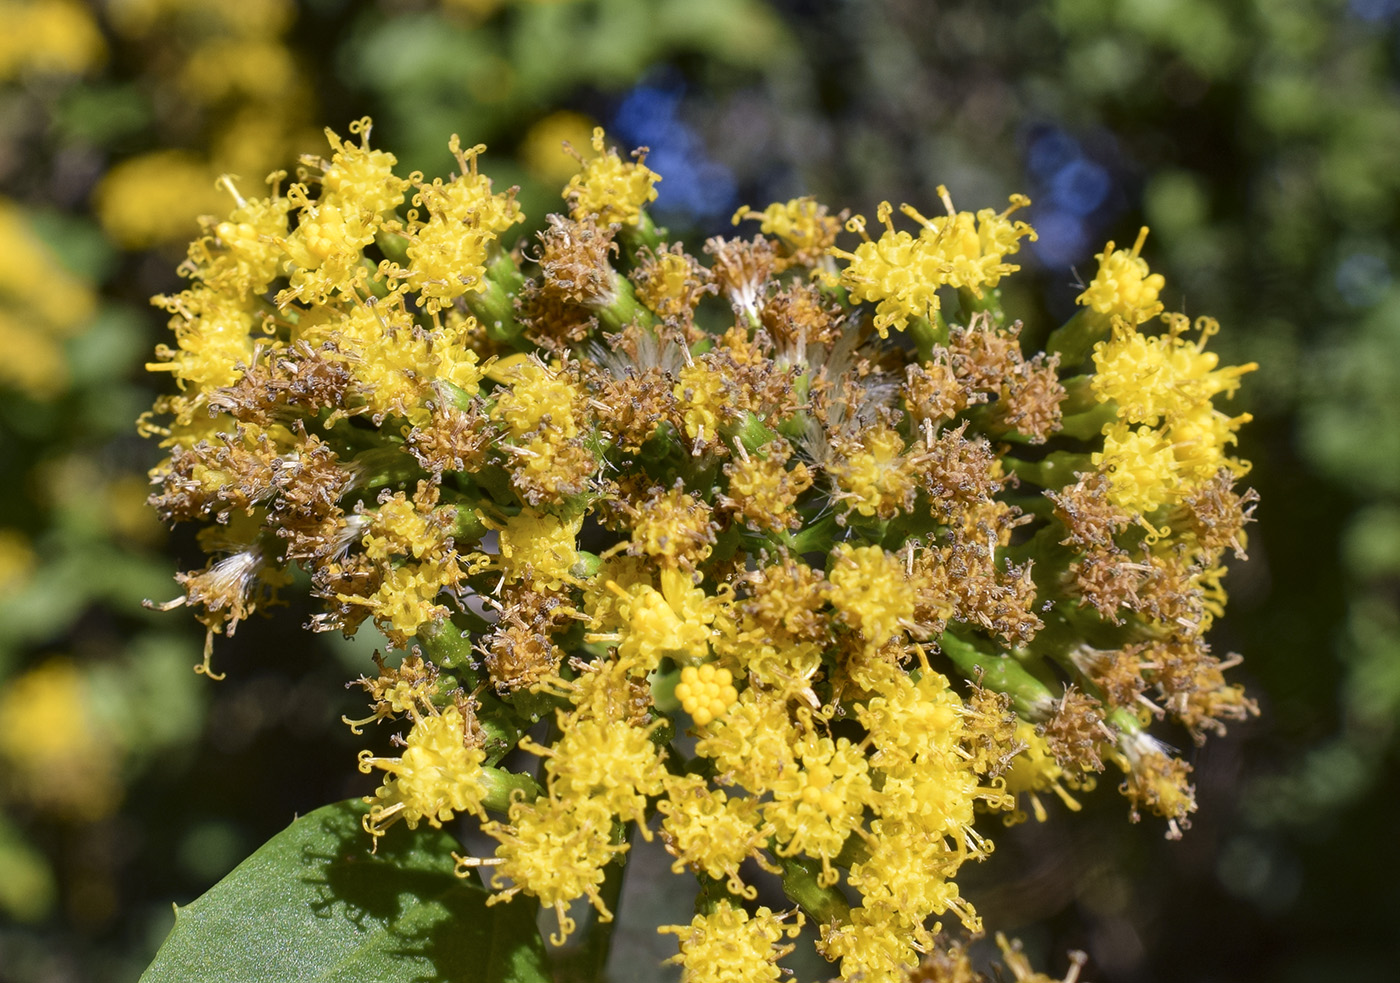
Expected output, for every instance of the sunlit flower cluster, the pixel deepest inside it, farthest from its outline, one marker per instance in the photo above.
(703, 538)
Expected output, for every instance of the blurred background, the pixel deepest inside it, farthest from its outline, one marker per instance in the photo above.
(1260, 140)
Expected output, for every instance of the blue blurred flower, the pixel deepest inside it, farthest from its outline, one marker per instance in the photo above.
(694, 186)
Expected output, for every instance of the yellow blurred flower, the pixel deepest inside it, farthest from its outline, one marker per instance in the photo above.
(58, 757)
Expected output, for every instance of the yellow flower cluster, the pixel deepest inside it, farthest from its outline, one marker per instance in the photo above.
(902, 273)
(805, 595)
(436, 777)
(1168, 439)
(609, 189)
(730, 944)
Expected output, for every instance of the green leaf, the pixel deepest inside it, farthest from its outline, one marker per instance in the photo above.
(315, 905)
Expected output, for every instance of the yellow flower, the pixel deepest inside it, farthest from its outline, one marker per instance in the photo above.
(537, 396)
(1142, 470)
(542, 149)
(869, 588)
(873, 945)
(816, 808)
(902, 274)
(610, 189)
(752, 744)
(540, 548)
(437, 776)
(50, 37)
(555, 850)
(57, 755)
(673, 621)
(1152, 378)
(872, 476)
(361, 178)
(449, 252)
(806, 228)
(711, 832)
(156, 198)
(1033, 771)
(729, 945)
(1123, 286)
(700, 394)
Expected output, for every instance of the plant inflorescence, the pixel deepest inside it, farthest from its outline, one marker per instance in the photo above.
(804, 589)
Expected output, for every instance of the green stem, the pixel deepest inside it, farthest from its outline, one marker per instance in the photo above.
(394, 246)
(928, 335)
(824, 905)
(1090, 423)
(387, 466)
(1055, 470)
(624, 309)
(494, 306)
(752, 432)
(990, 301)
(1029, 696)
(644, 234)
(1075, 339)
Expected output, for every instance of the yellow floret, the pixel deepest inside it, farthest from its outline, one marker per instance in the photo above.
(1164, 376)
(540, 548)
(55, 754)
(1142, 471)
(655, 626)
(874, 480)
(670, 287)
(448, 254)
(870, 590)
(214, 334)
(711, 832)
(399, 528)
(609, 188)
(437, 776)
(361, 177)
(752, 744)
(1033, 771)
(816, 807)
(407, 598)
(555, 850)
(156, 197)
(49, 36)
(805, 227)
(242, 256)
(537, 396)
(700, 394)
(902, 274)
(605, 760)
(395, 362)
(730, 946)
(1123, 286)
